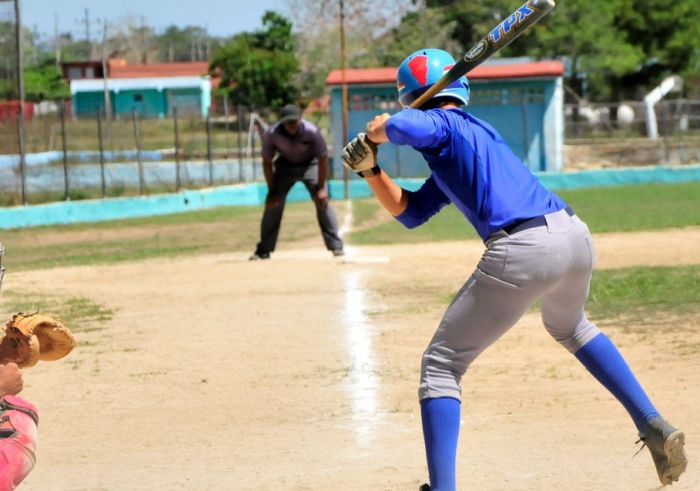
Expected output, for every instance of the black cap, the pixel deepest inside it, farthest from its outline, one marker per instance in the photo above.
(290, 112)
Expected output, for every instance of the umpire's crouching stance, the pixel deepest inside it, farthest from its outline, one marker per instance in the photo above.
(301, 156)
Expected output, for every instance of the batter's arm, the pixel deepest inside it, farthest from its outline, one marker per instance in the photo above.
(392, 197)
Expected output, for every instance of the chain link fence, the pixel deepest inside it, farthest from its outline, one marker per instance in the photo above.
(93, 157)
(617, 134)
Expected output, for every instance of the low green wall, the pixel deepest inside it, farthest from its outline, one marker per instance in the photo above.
(66, 212)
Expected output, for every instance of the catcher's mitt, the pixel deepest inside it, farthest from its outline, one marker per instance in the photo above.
(28, 338)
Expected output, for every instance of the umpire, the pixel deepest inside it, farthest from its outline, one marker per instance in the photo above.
(301, 156)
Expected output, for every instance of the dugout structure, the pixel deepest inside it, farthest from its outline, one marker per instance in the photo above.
(523, 100)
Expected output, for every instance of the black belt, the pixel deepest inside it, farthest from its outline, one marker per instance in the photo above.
(540, 221)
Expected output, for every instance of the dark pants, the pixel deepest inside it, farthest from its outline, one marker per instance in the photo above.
(284, 177)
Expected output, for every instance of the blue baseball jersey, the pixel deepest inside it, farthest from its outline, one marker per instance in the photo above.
(471, 166)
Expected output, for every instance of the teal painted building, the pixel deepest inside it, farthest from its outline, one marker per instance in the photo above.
(524, 101)
(150, 97)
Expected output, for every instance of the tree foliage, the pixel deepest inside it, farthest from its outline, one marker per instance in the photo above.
(44, 81)
(613, 48)
(258, 69)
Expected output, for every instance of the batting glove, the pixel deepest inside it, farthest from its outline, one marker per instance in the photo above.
(360, 156)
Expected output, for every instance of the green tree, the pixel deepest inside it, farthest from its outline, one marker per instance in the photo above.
(470, 21)
(595, 49)
(613, 48)
(45, 82)
(258, 69)
(666, 33)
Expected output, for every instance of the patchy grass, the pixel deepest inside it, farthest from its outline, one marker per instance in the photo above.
(611, 209)
(636, 295)
(200, 232)
(80, 314)
(219, 230)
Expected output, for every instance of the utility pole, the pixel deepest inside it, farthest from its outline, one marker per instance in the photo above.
(19, 55)
(105, 87)
(56, 41)
(87, 33)
(34, 41)
(144, 48)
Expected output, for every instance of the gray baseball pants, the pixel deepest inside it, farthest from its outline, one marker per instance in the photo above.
(552, 262)
(283, 179)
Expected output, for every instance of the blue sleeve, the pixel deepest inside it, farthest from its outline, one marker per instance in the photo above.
(423, 204)
(419, 129)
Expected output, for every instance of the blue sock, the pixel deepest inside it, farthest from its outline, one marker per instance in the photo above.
(604, 361)
(440, 418)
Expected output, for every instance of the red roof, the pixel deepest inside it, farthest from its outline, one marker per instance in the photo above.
(179, 69)
(549, 68)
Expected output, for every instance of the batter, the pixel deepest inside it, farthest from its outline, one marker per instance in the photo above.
(536, 248)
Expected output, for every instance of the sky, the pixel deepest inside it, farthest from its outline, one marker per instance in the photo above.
(221, 17)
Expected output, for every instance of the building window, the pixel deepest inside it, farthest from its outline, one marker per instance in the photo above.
(75, 73)
(527, 96)
(138, 98)
(487, 97)
(89, 72)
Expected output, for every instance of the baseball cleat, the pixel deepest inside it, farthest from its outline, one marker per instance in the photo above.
(666, 446)
(257, 256)
(424, 487)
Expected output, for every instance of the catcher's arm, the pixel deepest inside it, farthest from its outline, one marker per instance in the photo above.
(11, 381)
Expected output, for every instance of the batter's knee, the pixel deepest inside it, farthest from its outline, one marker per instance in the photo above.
(572, 336)
(441, 374)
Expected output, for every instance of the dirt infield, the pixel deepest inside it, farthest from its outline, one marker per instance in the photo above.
(301, 373)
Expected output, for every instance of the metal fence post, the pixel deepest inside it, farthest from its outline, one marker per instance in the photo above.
(22, 159)
(137, 138)
(227, 129)
(209, 156)
(66, 186)
(102, 153)
(241, 175)
(252, 152)
(668, 125)
(19, 45)
(178, 182)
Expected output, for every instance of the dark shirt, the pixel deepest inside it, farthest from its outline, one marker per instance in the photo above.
(298, 149)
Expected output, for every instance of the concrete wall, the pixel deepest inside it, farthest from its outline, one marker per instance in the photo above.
(254, 194)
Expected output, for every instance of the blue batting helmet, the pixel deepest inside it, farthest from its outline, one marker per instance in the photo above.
(422, 69)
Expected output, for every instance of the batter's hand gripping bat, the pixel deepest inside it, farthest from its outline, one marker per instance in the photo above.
(501, 36)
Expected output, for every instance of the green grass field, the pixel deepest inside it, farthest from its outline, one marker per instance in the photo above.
(612, 209)
(203, 232)
(638, 294)
(626, 208)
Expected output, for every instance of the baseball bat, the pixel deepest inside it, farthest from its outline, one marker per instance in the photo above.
(499, 37)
